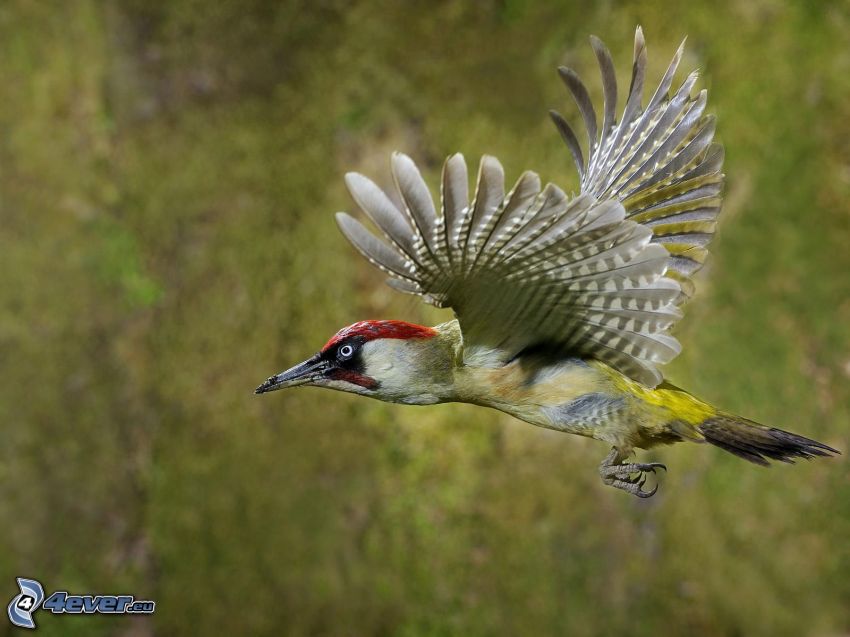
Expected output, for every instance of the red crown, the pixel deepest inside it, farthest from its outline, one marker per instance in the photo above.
(370, 330)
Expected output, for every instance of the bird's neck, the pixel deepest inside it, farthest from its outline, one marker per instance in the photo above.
(418, 371)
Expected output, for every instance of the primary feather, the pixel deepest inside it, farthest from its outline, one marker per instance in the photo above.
(659, 162)
(599, 275)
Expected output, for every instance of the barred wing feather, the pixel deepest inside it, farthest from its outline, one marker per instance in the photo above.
(599, 275)
(658, 161)
(526, 268)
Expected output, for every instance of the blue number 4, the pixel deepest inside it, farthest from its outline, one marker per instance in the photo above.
(56, 602)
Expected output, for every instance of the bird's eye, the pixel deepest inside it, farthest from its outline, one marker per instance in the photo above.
(346, 351)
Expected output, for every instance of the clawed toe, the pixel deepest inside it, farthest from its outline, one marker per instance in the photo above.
(640, 467)
(645, 494)
(630, 476)
(635, 487)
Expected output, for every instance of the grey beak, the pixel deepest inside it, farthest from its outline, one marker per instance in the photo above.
(301, 374)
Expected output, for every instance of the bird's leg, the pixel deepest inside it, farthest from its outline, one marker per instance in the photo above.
(618, 474)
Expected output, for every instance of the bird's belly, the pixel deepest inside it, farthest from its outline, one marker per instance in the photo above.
(569, 396)
(593, 414)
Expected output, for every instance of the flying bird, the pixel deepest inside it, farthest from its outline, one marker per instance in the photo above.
(563, 304)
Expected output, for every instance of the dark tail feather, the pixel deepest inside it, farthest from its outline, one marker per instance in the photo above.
(756, 443)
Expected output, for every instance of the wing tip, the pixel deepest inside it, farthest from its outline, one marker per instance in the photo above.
(353, 180)
(640, 43)
(569, 138)
(399, 159)
(492, 162)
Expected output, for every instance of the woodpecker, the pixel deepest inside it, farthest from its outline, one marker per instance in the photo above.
(562, 304)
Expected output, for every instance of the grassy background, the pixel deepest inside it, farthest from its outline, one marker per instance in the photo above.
(167, 177)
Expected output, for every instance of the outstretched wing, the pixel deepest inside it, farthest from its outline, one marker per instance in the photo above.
(524, 269)
(658, 161)
(532, 267)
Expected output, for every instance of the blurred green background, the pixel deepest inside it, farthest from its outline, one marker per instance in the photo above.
(168, 174)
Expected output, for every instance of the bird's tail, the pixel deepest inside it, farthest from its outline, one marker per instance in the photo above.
(758, 443)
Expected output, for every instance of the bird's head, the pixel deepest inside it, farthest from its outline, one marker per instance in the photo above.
(389, 360)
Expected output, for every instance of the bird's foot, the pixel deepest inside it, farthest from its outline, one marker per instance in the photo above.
(628, 476)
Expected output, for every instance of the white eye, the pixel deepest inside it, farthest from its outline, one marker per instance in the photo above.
(346, 351)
